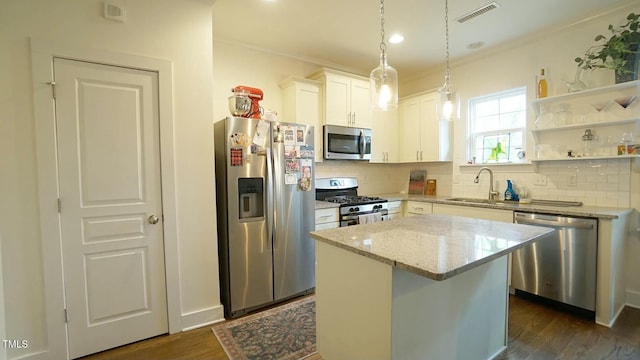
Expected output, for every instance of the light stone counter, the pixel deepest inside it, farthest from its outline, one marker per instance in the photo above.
(434, 246)
(601, 212)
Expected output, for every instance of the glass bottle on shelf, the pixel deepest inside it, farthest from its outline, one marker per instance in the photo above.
(542, 85)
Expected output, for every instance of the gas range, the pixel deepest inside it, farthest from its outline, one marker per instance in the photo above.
(344, 191)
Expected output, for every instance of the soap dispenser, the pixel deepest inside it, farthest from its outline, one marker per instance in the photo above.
(510, 193)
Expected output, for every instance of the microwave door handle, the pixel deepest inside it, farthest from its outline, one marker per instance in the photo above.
(361, 144)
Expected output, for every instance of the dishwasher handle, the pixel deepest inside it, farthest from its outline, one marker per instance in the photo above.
(553, 223)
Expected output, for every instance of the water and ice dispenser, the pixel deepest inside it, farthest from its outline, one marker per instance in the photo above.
(251, 198)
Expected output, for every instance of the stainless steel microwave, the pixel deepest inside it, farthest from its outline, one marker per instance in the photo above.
(346, 143)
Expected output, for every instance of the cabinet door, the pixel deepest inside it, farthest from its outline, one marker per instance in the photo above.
(429, 132)
(301, 104)
(395, 207)
(384, 146)
(337, 107)
(409, 139)
(360, 104)
(308, 112)
(435, 134)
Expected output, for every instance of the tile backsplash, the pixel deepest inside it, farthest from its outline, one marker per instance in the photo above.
(593, 182)
(385, 178)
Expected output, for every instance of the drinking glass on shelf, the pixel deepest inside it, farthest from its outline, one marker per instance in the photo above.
(625, 140)
(612, 146)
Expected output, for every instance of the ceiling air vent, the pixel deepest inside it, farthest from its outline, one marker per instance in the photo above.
(478, 12)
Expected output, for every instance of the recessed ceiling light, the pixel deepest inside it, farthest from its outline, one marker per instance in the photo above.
(396, 38)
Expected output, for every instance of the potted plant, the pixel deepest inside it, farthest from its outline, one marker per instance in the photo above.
(618, 52)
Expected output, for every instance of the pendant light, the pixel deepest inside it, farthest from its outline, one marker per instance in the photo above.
(384, 78)
(449, 106)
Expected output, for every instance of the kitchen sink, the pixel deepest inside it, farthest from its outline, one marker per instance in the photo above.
(476, 201)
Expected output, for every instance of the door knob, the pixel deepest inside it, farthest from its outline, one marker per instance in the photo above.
(153, 219)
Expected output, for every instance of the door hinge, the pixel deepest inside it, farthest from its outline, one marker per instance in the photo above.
(59, 205)
(53, 88)
(66, 316)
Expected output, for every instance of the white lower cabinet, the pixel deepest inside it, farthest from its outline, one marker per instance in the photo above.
(395, 209)
(474, 212)
(327, 218)
(418, 208)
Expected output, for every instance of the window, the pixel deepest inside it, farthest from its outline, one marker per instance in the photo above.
(497, 125)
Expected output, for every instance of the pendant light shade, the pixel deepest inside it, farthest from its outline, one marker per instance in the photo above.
(384, 86)
(384, 78)
(449, 105)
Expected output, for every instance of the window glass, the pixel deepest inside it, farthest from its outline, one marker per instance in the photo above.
(497, 126)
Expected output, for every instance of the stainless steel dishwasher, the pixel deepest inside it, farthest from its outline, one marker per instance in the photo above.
(562, 265)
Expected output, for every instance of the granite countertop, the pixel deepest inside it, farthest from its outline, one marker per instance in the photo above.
(434, 246)
(585, 211)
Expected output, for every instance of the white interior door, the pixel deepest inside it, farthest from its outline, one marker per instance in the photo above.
(110, 204)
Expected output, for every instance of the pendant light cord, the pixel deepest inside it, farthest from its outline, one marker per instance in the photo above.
(446, 39)
(383, 46)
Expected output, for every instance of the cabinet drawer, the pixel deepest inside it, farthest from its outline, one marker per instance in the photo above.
(330, 225)
(416, 207)
(395, 207)
(326, 216)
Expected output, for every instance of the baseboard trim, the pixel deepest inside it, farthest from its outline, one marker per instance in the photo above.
(40, 355)
(203, 317)
(633, 299)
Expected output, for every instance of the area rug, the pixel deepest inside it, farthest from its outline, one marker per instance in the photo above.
(286, 332)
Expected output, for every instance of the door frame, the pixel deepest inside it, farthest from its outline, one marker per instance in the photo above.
(42, 55)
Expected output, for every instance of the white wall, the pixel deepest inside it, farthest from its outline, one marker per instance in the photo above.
(176, 30)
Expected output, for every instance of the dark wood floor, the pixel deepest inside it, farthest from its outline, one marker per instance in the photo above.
(536, 331)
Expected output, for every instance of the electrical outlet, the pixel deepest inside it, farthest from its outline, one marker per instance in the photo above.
(573, 181)
(540, 180)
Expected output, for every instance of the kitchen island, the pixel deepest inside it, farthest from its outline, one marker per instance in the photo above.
(424, 287)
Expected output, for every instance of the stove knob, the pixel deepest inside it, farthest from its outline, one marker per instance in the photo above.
(351, 210)
(357, 209)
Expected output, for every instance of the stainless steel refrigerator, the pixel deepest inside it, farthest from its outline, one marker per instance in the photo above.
(266, 206)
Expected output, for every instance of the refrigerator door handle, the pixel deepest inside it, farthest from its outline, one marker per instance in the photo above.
(270, 205)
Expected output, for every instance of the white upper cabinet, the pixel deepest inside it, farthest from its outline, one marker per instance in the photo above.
(301, 104)
(384, 142)
(423, 137)
(345, 98)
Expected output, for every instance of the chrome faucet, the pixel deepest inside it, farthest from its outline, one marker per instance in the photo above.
(493, 195)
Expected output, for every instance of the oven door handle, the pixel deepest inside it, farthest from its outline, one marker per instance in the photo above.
(356, 216)
(348, 217)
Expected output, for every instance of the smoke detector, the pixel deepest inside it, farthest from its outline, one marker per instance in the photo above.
(483, 10)
(114, 12)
